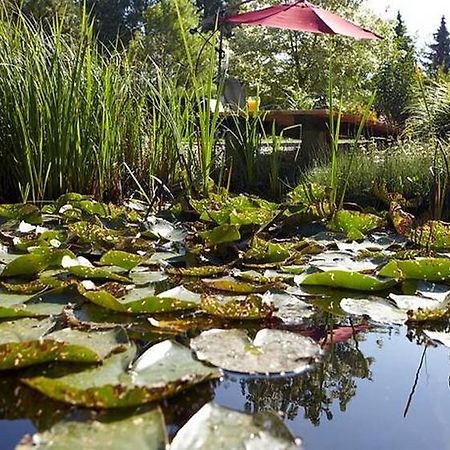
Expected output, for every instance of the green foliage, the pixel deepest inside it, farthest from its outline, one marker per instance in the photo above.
(292, 67)
(439, 56)
(395, 79)
(402, 167)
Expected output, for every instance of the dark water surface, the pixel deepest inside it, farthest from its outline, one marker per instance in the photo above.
(379, 389)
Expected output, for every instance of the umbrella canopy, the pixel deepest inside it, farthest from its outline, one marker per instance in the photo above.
(302, 16)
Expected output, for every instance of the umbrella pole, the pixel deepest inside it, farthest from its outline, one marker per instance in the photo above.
(220, 59)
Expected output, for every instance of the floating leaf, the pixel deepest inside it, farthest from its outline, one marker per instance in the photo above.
(331, 260)
(142, 430)
(271, 351)
(377, 309)
(230, 284)
(121, 259)
(145, 277)
(355, 224)
(94, 273)
(161, 228)
(221, 234)
(345, 280)
(50, 303)
(439, 336)
(414, 302)
(249, 307)
(262, 251)
(28, 213)
(144, 300)
(288, 308)
(199, 271)
(426, 269)
(219, 428)
(24, 342)
(163, 370)
(28, 265)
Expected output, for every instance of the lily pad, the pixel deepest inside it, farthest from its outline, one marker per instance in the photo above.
(143, 430)
(25, 342)
(249, 307)
(288, 308)
(163, 229)
(270, 352)
(31, 264)
(355, 224)
(199, 271)
(94, 273)
(230, 284)
(222, 234)
(121, 259)
(345, 280)
(377, 309)
(144, 300)
(219, 428)
(50, 303)
(414, 302)
(163, 370)
(145, 277)
(426, 269)
(262, 251)
(439, 336)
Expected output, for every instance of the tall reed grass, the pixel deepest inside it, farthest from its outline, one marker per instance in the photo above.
(69, 116)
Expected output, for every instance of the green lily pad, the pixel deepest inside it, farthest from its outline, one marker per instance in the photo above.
(25, 342)
(426, 269)
(33, 263)
(262, 251)
(28, 213)
(345, 280)
(144, 300)
(142, 430)
(125, 260)
(199, 271)
(163, 370)
(163, 229)
(94, 273)
(249, 307)
(377, 309)
(271, 351)
(49, 303)
(145, 277)
(219, 428)
(355, 224)
(222, 234)
(230, 284)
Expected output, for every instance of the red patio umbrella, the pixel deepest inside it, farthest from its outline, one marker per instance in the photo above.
(302, 16)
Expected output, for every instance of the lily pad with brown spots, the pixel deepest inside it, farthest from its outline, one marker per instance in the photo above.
(27, 341)
(165, 369)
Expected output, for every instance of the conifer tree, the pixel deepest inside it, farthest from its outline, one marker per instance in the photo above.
(439, 56)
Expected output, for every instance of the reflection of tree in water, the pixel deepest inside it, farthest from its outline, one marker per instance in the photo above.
(334, 378)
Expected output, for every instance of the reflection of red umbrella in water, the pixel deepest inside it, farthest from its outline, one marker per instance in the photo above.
(301, 16)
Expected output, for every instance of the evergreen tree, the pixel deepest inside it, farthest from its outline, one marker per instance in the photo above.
(396, 77)
(439, 57)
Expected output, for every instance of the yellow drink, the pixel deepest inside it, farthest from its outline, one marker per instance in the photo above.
(252, 105)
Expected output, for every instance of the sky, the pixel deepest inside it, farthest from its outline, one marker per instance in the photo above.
(422, 18)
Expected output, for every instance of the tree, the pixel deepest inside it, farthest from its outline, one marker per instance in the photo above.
(45, 11)
(395, 79)
(290, 68)
(162, 39)
(439, 57)
(117, 20)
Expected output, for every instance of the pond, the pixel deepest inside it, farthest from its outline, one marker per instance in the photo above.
(106, 312)
(381, 391)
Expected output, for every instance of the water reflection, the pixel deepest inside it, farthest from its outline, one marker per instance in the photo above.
(313, 393)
